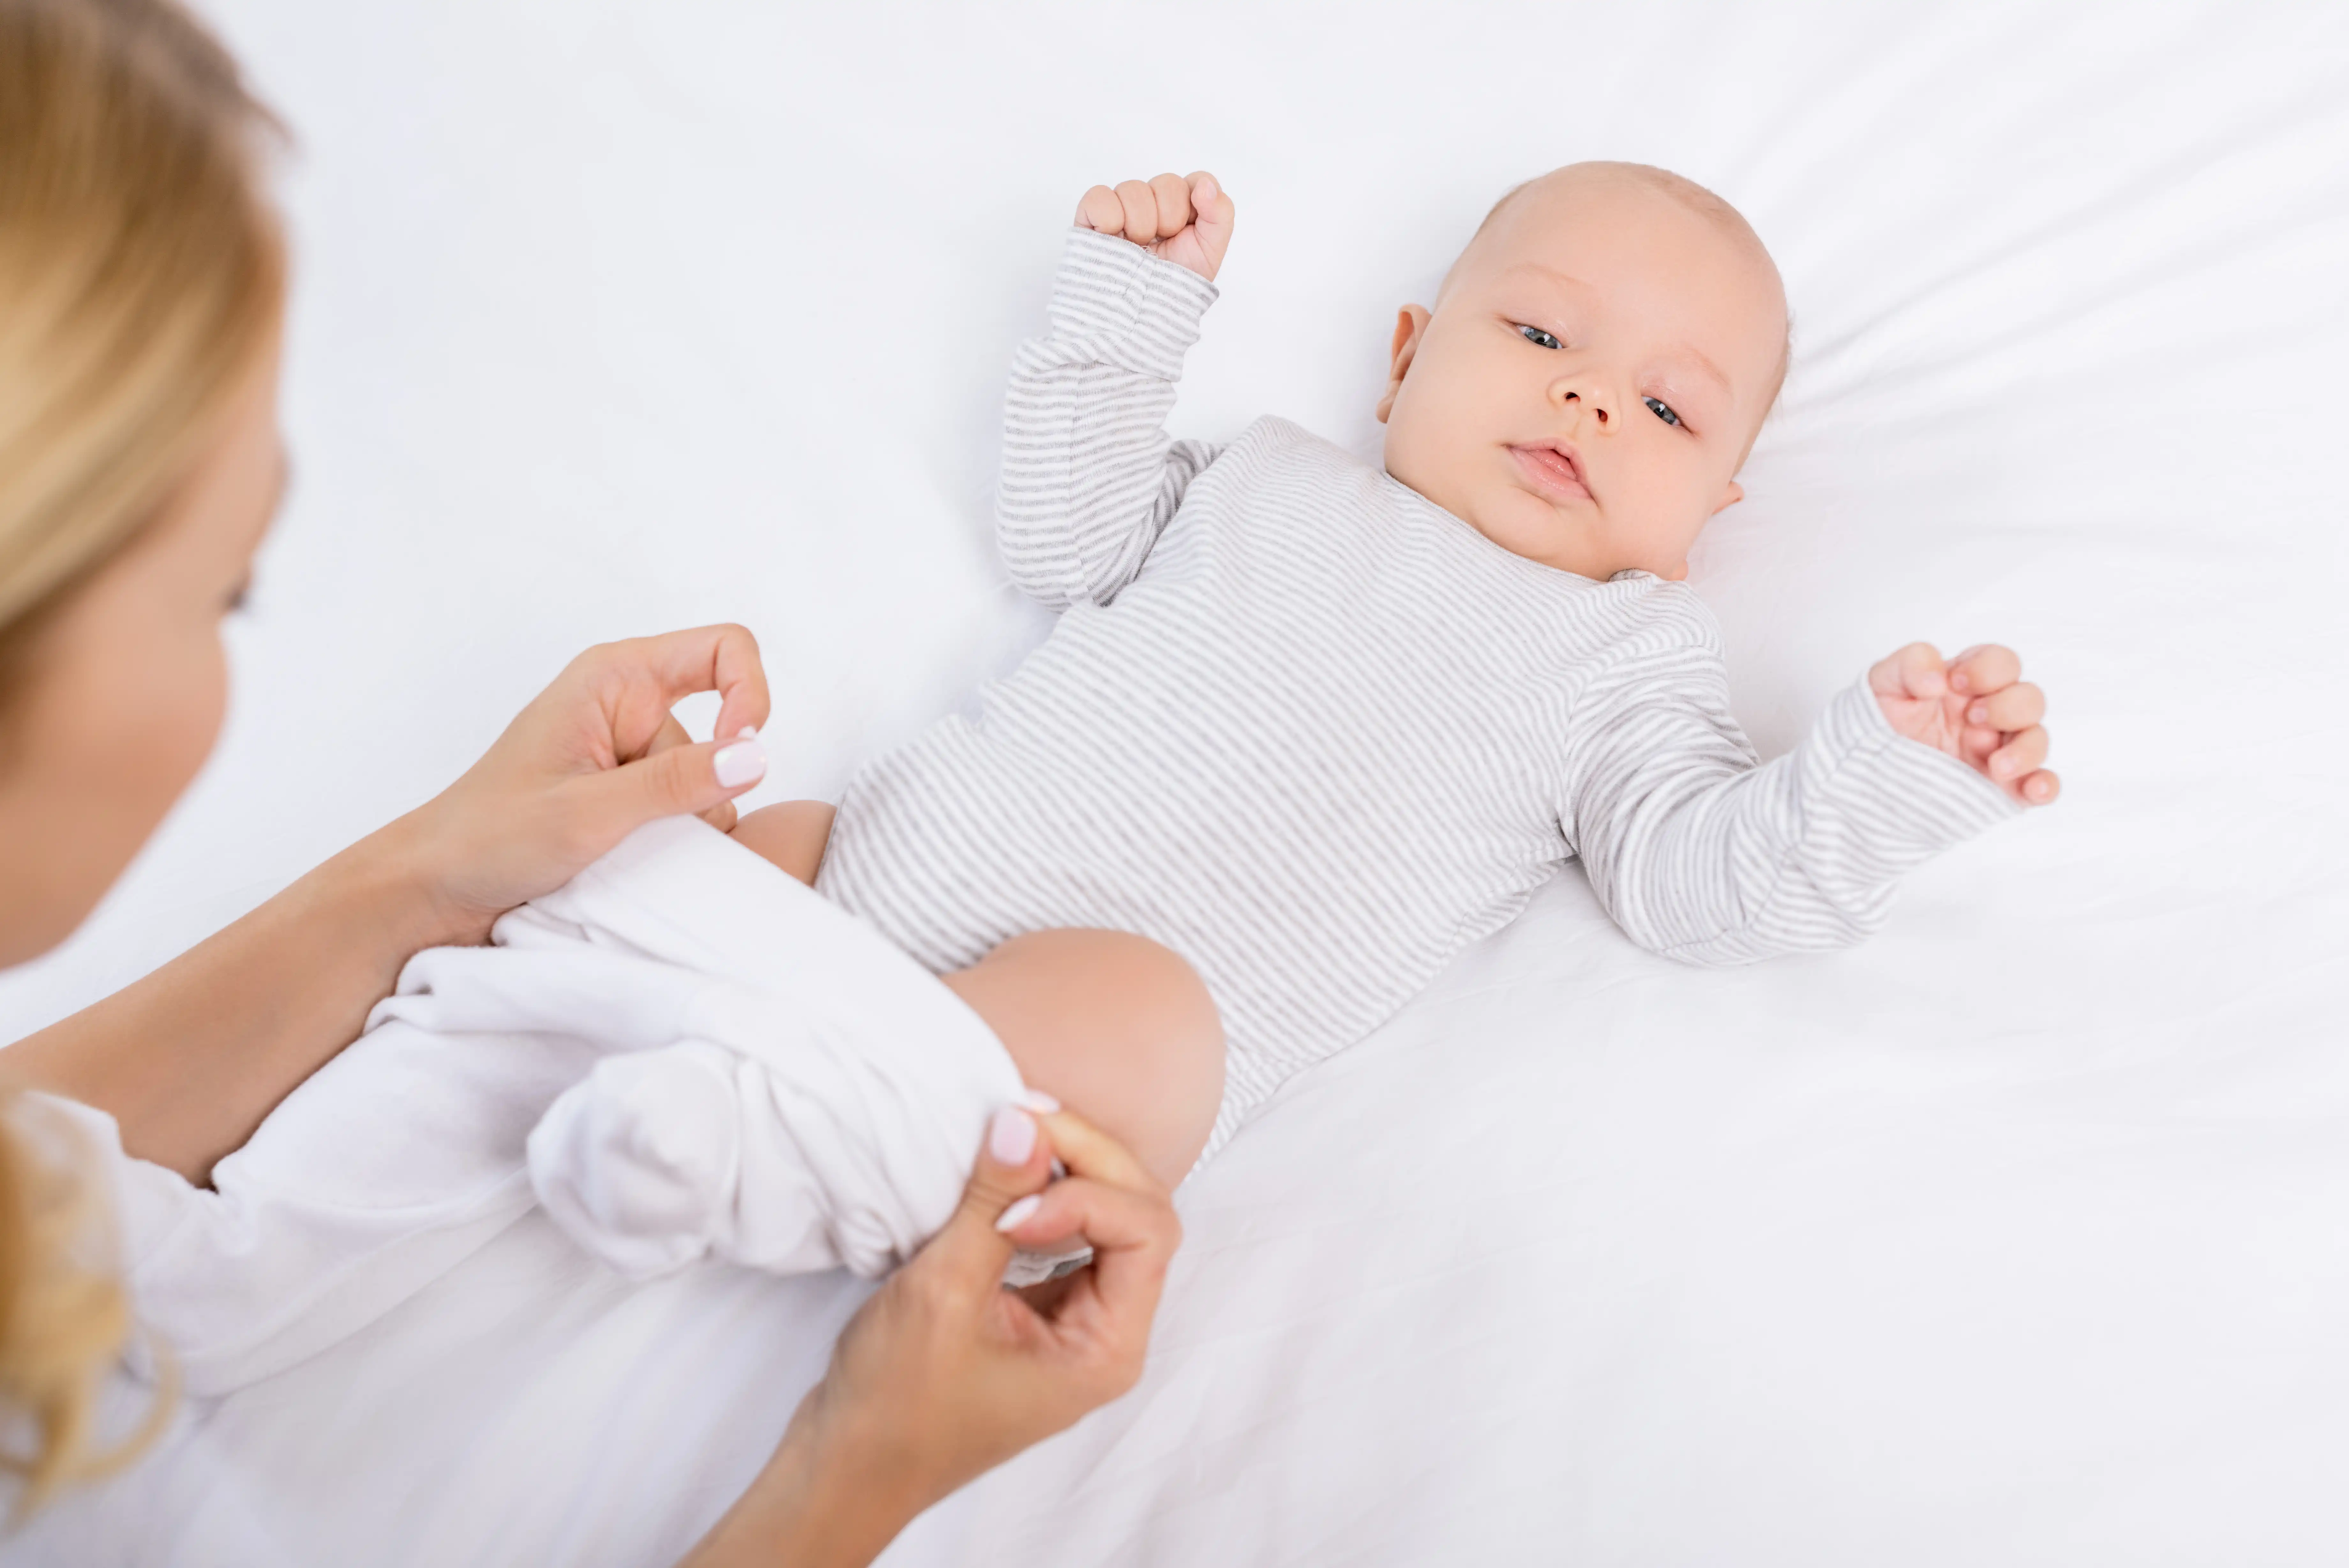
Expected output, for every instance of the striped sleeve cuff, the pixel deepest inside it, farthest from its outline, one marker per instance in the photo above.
(1903, 800)
(1125, 307)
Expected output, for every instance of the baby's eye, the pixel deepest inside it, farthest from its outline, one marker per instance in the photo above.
(1661, 410)
(1536, 335)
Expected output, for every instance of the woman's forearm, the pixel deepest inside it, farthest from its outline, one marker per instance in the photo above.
(817, 1503)
(189, 1060)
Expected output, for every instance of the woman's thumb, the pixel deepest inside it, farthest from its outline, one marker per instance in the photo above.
(680, 781)
(1014, 1163)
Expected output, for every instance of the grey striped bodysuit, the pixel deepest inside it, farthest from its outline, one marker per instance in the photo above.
(1316, 734)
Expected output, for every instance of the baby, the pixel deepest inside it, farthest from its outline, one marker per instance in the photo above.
(1315, 726)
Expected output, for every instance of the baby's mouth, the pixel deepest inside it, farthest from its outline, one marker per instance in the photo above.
(1552, 472)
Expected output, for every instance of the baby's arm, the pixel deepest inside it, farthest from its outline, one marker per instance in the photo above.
(1090, 475)
(1702, 856)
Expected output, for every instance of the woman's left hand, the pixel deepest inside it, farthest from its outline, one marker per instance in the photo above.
(594, 757)
(944, 1374)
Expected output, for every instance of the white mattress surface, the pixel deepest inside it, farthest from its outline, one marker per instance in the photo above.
(2020, 1234)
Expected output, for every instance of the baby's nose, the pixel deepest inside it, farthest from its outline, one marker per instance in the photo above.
(1598, 409)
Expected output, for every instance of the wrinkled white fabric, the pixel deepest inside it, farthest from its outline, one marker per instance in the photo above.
(2015, 1237)
(684, 1053)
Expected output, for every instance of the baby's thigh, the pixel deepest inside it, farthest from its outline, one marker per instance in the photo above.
(1116, 1027)
(792, 834)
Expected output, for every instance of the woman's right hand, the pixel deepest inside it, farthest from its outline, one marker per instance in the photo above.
(944, 1374)
(594, 757)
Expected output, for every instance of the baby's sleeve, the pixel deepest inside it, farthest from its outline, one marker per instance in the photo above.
(1702, 852)
(1090, 475)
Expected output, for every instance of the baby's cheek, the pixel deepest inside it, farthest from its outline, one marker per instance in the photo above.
(1409, 439)
(1685, 506)
(1649, 525)
(1440, 442)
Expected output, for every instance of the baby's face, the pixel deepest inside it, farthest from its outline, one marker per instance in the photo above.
(1591, 377)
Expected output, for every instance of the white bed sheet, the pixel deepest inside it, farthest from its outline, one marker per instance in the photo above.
(2020, 1234)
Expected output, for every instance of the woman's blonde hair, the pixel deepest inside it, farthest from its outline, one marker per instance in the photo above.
(67, 1319)
(141, 276)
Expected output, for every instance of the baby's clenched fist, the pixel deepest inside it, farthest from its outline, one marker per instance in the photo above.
(1188, 221)
(1976, 707)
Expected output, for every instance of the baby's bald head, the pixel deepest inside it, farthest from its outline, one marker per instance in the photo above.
(1594, 371)
(1566, 183)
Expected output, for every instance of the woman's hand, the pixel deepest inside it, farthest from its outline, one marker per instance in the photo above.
(189, 1060)
(944, 1374)
(594, 757)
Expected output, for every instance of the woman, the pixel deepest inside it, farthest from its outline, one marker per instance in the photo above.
(142, 295)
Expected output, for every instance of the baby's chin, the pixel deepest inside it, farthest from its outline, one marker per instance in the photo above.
(1544, 532)
(1562, 536)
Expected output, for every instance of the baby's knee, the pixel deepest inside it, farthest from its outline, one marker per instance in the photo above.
(792, 834)
(1117, 1027)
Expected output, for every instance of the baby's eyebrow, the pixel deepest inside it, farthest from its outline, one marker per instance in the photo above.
(1686, 353)
(1547, 274)
(1694, 357)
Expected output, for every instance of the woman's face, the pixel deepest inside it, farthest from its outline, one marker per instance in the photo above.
(124, 687)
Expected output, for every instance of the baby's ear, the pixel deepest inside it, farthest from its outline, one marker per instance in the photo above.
(1410, 322)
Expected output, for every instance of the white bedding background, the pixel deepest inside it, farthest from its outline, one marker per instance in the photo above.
(2019, 1235)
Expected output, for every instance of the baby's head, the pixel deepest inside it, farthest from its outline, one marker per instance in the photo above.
(1596, 367)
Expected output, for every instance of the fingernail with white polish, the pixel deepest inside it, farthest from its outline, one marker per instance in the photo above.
(744, 762)
(1011, 1137)
(1018, 1214)
(1037, 1100)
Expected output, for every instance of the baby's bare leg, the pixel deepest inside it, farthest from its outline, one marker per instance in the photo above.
(1114, 1026)
(792, 834)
